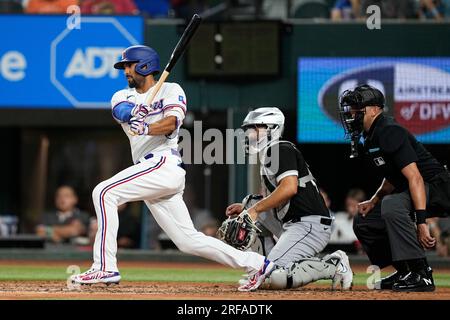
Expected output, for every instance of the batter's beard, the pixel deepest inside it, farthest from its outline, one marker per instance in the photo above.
(131, 83)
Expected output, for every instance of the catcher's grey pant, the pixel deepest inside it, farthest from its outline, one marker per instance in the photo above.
(300, 240)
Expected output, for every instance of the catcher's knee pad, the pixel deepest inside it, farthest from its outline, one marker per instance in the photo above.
(301, 273)
(277, 280)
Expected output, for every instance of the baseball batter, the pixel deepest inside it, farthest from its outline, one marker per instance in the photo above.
(156, 176)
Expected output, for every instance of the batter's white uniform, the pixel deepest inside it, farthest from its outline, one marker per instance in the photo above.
(157, 178)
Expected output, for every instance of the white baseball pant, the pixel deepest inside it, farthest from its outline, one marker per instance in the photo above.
(159, 181)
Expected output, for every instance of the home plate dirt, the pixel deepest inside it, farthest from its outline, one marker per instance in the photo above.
(186, 290)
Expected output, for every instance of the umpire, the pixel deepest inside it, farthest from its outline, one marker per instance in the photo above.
(392, 225)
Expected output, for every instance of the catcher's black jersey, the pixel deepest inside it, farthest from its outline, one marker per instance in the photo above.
(281, 160)
(389, 148)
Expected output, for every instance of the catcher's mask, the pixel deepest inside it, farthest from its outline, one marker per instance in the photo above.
(262, 126)
(352, 107)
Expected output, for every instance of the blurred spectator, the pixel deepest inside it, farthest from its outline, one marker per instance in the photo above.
(128, 235)
(8, 225)
(354, 196)
(109, 7)
(298, 9)
(346, 10)
(440, 230)
(399, 9)
(11, 6)
(431, 9)
(343, 223)
(67, 222)
(204, 222)
(275, 9)
(311, 9)
(327, 200)
(49, 6)
(447, 8)
(154, 8)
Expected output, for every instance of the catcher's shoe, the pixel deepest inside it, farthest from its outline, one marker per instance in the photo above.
(258, 277)
(344, 273)
(96, 276)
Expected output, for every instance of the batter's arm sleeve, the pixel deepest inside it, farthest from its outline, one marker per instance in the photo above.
(121, 108)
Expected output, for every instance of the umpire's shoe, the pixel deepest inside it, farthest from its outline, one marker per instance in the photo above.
(421, 281)
(388, 282)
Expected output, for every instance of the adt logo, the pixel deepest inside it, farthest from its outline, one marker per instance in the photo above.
(82, 61)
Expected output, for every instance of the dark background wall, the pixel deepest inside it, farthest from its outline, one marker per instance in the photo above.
(307, 40)
(210, 100)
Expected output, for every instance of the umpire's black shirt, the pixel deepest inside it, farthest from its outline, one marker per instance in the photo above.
(390, 147)
(308, 200)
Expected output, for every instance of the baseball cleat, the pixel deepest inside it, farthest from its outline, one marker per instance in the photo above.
(344, 273)
(388, 282)
(93, 276)
(416, 282)
(257, 278)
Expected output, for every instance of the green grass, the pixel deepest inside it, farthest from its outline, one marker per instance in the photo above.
(27, 272)
(201, 274)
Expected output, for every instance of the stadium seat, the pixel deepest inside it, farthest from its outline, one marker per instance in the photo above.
(10, 7)
(154, 8)
(312, 9)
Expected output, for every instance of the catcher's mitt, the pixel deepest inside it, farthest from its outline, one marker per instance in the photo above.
(239, 231)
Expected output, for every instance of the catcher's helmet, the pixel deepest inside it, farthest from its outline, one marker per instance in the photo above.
(270, 117)
(144, 56)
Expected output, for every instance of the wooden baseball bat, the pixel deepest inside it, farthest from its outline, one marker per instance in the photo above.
(176, 54)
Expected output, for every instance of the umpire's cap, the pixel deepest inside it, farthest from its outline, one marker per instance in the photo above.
(363, 96)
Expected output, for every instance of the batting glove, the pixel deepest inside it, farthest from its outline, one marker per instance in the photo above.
(140, 111)
(139, 126)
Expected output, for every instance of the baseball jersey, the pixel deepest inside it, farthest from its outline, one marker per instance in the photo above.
(170, 101)
(283, 159)
(389, 148)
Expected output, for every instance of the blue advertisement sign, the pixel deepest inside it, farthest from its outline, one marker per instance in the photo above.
(417, 92)
(45, 64)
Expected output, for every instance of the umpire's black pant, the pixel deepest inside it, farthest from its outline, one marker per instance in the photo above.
(387, 233)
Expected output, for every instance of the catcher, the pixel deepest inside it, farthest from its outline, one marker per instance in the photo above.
(291, 210)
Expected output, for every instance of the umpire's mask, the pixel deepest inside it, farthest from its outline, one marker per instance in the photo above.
(352, 107)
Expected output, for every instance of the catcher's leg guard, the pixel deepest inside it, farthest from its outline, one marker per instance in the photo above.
(302, 272)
